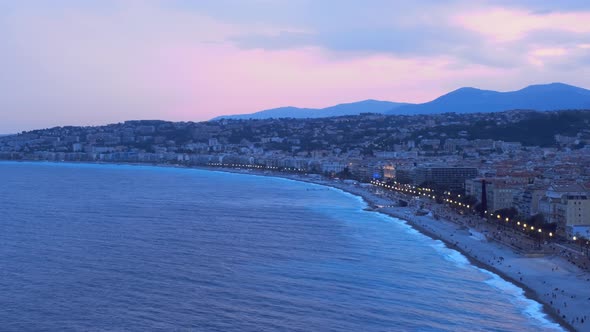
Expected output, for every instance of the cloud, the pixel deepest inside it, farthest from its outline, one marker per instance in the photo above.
(72, 65)
(505, 25)
(544, 6)
(484, 34)
(280, 40)
(91, 62)
(374, 26)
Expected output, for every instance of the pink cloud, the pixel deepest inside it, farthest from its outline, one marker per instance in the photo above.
(503, 25)
(74, 66)
(224, 79)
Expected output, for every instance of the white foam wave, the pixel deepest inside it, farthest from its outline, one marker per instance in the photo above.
(531, 308)
(405, 226)
(411, 230)
(362, 204)
(477, 235)
(451, 255)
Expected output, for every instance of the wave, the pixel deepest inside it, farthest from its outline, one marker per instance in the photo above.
(451, 255)
(532, 308)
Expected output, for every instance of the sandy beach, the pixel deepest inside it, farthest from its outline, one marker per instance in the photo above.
(561, 287)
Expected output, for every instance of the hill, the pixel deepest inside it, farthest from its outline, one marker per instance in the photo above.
(531, 128)
(547, 97)
(366, 106)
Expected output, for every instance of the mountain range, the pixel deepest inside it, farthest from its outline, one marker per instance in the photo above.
(365, 106)
(543, 97)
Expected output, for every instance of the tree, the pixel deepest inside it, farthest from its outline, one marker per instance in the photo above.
(550, 227)
(507, 212)
(538, 220)
(345, 174)
(479, 208)
(469, 200)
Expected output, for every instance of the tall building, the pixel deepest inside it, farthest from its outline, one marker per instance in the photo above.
(568, 206)
(449, 178)
(500, 192)
(388, 171)
(527, 200)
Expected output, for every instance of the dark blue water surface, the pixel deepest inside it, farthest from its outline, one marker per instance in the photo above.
(106, 247)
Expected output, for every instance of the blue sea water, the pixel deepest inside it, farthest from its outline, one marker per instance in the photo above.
(135, 248)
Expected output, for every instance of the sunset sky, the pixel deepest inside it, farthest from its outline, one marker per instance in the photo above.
(72, 62)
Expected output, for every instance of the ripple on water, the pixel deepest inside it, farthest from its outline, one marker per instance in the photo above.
(105, 247)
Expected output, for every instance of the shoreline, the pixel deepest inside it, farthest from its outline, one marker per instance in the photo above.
(528, 292)
(418, 223)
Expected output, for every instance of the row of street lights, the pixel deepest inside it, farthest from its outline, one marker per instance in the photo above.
(253, 166)
(430, 193)
(427, 192)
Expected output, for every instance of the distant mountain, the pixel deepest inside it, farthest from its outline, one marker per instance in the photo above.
(366, 106)
(554, 96)
(545, 97)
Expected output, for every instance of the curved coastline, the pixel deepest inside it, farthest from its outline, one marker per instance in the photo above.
(529, 293)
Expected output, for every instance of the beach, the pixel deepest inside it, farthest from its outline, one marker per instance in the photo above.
(562, 288)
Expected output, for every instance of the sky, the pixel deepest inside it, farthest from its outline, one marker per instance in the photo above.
(71, 62)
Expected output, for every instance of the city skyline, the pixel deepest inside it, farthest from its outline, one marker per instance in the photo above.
(101, 62)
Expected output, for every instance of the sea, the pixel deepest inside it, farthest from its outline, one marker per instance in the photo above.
(89, 247)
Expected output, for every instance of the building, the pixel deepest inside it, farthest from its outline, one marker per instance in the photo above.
(446, 178)
(502, 196)
(389, 171)
(404, 175)
(500, 192)
(527, 200)
(331, 167)
(568, 206)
